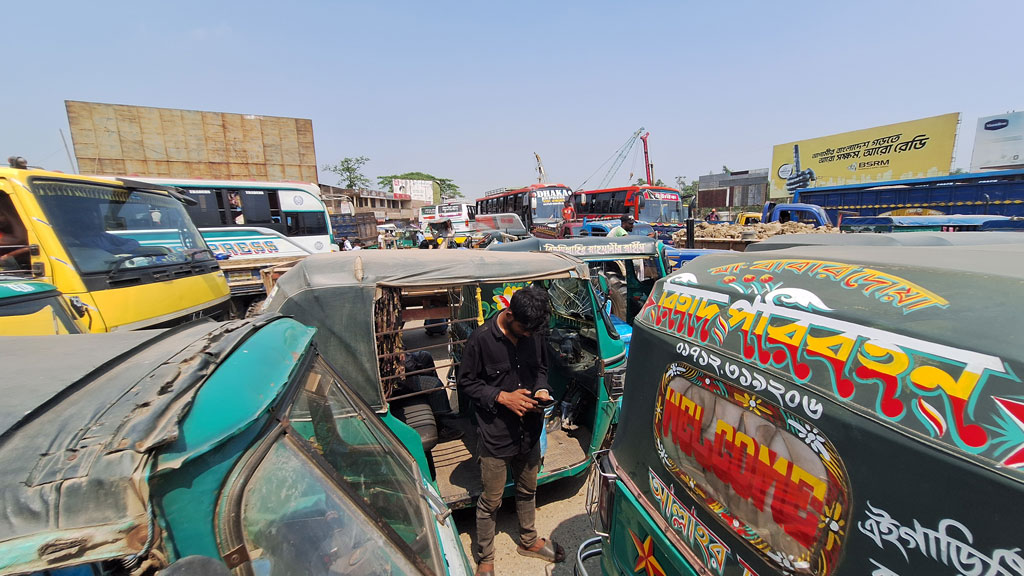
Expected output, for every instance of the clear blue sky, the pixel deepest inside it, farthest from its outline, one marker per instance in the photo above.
(470, 90)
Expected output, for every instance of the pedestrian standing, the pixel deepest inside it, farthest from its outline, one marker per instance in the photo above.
(504, 372)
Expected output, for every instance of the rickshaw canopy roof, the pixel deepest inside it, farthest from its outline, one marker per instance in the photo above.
(335, 293)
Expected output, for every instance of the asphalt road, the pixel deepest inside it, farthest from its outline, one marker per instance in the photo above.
(561, 516)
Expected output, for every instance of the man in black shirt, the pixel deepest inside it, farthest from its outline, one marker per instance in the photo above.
(504, 371)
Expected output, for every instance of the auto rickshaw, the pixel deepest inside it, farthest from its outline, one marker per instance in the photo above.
(231, 446)
(370, 309)
(823, 410)
(628, 265)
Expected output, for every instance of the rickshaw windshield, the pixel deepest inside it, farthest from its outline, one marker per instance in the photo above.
(295, 521)
(356, 445)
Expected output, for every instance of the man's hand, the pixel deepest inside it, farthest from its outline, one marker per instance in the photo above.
(519, 401)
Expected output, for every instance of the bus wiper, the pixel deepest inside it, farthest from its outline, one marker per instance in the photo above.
(116, 266)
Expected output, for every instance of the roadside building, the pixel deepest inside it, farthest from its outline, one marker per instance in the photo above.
(385, 206)
(732, 192)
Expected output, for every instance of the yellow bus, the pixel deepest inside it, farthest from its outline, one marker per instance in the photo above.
(126, 250)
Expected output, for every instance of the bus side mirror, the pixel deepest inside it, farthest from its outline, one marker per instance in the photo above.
(640, 201)
(533, 202)
(583, 199)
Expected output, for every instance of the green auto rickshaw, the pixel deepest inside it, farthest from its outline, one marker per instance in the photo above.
(823, 410)
(372, 311)
(233, 445)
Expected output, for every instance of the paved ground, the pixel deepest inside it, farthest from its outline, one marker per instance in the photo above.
(561, 515)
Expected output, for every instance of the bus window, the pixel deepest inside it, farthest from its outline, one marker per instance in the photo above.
(618, 202)
(255, 207)
(209, 210)
(305, 223)
(235, 205)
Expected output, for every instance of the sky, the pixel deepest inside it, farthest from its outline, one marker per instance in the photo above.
(470, 91)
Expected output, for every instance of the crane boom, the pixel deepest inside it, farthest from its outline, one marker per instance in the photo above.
(541, 176)
(620, 158)
(647, 161)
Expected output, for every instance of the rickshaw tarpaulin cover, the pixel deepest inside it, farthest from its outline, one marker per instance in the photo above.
(78, 434)
(335, 294)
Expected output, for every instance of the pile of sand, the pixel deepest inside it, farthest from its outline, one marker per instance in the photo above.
(761, 231)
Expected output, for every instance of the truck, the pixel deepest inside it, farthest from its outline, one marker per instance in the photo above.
(361, 226)
(997, 192)
(795, 212)
(125, 249)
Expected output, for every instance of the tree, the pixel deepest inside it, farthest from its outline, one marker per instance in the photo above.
(349, 172)
(643, 182)
(687, 189)
(449, 190)
(725, 169)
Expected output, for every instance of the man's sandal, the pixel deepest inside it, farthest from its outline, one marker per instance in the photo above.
(485, 569)
(545, 550)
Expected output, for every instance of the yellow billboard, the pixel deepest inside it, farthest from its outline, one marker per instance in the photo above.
(916, 149)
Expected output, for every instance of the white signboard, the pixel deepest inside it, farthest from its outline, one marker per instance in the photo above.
(416, 189)
(999, 142)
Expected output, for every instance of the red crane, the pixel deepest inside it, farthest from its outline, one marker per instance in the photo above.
(647, 161)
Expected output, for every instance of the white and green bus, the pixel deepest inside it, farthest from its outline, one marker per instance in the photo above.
(249, 219)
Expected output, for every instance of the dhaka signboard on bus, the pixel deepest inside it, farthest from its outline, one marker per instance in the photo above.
(915, 149)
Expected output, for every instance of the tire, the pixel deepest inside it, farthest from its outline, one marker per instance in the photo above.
(416, 412)
(617, 294)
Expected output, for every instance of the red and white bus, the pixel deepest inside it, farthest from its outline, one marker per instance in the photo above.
(651, 204)
(537, 204)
